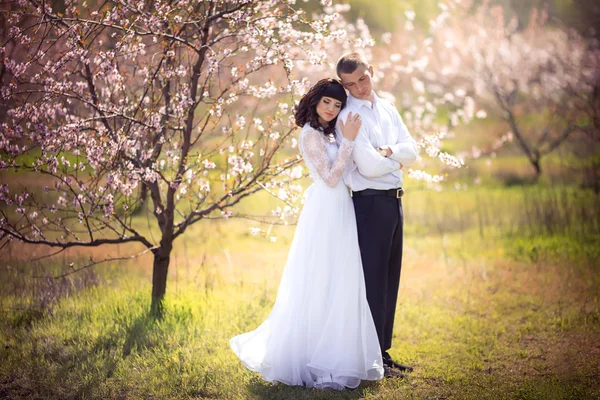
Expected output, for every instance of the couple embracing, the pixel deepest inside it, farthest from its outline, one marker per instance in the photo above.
(332, 322)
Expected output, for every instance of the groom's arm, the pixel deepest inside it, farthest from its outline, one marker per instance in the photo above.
(405, 150)
(369, 162)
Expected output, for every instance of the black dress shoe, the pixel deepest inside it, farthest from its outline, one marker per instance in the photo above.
(388, 362)
(390, 373)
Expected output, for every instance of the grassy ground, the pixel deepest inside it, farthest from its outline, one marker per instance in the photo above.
(499, 299)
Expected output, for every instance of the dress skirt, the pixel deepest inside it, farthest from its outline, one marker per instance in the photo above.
(320, 332)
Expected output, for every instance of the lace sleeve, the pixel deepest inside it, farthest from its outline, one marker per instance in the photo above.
(315, 152)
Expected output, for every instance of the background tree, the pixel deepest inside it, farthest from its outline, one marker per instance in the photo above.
(539, 79)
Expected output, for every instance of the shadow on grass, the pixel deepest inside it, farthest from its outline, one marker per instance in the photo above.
(136, 335)
(263, 390)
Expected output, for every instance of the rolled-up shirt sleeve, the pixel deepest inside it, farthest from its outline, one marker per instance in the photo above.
(405, 151)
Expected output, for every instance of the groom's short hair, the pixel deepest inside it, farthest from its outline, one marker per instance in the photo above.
(348, 63)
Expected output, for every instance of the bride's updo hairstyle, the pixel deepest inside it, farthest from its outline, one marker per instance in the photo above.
(306, 111)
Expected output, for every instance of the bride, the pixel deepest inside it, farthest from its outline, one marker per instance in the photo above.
(320, 332)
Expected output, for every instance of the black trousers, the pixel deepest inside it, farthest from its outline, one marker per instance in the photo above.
(380, 223)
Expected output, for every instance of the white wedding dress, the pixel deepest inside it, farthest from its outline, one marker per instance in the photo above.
(320, 332)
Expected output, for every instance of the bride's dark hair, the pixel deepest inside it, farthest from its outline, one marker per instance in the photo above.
(306, 111)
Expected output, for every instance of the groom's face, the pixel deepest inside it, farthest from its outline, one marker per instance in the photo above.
(358, 83)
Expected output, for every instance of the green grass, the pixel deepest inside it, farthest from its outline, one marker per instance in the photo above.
(491, 306)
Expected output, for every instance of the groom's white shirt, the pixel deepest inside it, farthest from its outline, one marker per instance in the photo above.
(381, 126)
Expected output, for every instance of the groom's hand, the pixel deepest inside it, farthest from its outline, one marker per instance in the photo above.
(384, 151)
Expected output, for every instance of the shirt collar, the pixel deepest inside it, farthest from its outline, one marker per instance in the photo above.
(362, 103)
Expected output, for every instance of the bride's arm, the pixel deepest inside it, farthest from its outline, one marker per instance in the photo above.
(315, 152)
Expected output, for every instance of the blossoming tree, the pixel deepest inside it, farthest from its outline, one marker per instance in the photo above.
(124, 98)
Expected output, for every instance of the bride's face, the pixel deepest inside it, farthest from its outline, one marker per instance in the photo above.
(328, 108)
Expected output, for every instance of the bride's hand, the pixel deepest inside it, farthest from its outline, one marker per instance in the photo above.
(351, 127)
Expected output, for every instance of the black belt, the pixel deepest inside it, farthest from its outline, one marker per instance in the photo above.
(397, 193)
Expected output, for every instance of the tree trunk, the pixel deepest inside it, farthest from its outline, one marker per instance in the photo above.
(160, 271)
(538, 168)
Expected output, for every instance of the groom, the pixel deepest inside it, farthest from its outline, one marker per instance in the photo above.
(382, 148)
